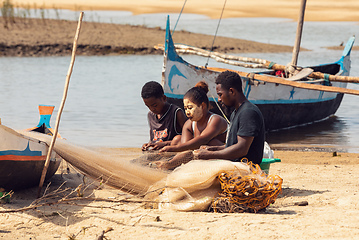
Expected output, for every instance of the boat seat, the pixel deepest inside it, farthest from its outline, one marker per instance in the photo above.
(305, 72)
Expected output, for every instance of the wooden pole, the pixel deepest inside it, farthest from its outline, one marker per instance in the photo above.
(258, 63)
(298, 84)
(299, 33)
(47, 162)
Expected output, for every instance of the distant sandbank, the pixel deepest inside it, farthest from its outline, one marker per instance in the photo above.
(316, 10)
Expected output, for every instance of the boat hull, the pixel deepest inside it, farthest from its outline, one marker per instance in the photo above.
(22, 160)
(281, 116)
(282, 106)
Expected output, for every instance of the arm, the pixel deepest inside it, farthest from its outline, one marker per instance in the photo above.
(212, 148)
(180, 120)
(155, 146)
(213, 129)
(235, 151)
(187, 135)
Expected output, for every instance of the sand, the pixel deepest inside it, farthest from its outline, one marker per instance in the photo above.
(37, 37)
(328, 184)
(316, 10)
(43, 37)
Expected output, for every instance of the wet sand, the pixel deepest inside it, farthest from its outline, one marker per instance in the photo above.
(37, 37)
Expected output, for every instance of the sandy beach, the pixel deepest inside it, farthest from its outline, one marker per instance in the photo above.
(45, 37)
(320, 198)
(319, 201)
(37, 37)
(316, 10)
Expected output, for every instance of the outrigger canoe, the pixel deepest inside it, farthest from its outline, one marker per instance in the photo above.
(282, 106)
(22, 158)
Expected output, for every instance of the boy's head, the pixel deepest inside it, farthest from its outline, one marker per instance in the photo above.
(153, 96)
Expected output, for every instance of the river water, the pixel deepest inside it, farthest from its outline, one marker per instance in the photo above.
(104, 107)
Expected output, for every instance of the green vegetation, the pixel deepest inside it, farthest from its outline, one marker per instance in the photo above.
(7, 12)
(10, 13)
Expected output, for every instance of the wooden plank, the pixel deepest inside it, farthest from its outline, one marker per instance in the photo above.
(261, 63)
(305, 72)
(266, 78)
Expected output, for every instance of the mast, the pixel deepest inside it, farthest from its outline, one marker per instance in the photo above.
(298, 34)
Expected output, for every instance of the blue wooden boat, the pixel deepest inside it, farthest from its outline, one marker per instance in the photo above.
(282, 105)
(22, 158)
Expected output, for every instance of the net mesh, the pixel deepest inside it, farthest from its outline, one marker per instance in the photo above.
(198, 185)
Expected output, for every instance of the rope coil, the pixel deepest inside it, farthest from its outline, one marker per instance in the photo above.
(246, 193)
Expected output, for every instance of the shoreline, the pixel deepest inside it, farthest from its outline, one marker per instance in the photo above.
(49, 37)
(34, 37)
(316, 10)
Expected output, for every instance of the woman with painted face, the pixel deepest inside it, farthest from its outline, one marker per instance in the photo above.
(202, 127)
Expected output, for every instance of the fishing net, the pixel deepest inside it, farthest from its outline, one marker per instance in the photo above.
(172, 160)
(197, 185)
(111, 170)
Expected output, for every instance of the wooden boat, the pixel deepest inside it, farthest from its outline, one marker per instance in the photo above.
(44, 124)
(282, 103)
(22, 158)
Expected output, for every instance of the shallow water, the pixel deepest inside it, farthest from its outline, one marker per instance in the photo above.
(104, 107)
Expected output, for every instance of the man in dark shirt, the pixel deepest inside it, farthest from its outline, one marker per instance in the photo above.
(245, 137)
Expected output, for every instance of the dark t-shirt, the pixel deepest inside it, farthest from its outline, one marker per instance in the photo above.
(165, 128)
(247, 121)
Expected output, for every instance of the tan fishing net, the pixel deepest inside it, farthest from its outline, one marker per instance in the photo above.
(199, 185)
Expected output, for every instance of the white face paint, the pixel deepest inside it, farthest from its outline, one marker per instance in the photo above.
(193, 112)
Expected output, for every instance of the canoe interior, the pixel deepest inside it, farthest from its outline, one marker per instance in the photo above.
(332, 69)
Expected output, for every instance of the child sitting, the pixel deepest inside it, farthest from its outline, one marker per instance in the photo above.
(165, 120)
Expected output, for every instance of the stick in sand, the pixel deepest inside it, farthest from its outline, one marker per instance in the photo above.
(47, 162)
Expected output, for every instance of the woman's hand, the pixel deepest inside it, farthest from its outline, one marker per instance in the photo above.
(153, 146)
(158, 145)
(168, 149)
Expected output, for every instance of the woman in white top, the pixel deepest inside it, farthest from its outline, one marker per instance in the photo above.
(202, 126)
